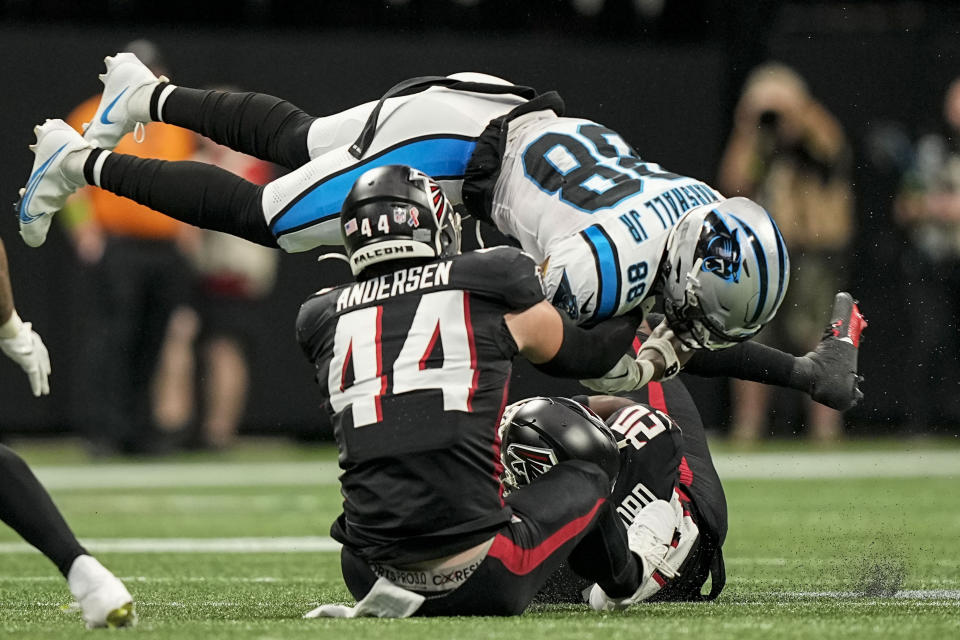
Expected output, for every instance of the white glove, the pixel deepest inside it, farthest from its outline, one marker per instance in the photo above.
(627, 375)
(384, 600)
(25, 347)
(661, 341)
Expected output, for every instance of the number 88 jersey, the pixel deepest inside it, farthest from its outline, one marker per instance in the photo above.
(582, 202)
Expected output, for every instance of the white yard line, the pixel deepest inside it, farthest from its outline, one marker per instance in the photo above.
(305, 544)
(906, 594)
(807, 464)
(187, 474)
(839, 464)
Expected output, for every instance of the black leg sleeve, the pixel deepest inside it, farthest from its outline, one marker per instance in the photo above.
(604, 557)
(192, 192)
(747, 361)
(26, 506)
(254, 123)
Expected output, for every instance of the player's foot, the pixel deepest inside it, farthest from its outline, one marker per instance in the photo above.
(832, 366)
(650, 537)
(49, 185)
(127, 86)
(103, 599)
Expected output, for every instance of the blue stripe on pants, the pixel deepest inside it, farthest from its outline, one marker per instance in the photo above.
(437, 157)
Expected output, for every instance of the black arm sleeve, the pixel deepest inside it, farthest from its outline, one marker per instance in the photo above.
(591, 353)
(193, 192)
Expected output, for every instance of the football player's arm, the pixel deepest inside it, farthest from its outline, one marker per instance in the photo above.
(560, 348)
(605, 406)
(17, 338)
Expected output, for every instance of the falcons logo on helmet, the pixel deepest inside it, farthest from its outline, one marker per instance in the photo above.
(528, 462)
(430, 186)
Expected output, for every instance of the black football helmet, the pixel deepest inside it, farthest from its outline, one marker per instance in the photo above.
(537, 433)
(395, 212)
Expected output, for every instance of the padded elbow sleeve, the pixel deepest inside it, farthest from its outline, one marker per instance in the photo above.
(591, 353)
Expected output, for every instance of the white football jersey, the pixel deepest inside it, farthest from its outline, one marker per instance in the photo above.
(581, 201)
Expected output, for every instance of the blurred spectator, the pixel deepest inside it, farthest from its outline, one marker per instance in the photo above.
(790, 155)
(928, 209)
(140, 276)
(233, 276)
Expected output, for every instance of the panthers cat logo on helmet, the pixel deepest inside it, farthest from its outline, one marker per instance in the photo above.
(397, 212)
(725, 273)
(721, 251)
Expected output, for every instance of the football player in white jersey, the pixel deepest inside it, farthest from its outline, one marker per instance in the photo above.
(612, 231)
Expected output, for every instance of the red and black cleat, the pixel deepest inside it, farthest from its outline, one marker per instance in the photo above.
(846, 322)
(832, 366)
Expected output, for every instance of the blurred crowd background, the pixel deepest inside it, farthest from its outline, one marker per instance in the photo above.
(842, 118)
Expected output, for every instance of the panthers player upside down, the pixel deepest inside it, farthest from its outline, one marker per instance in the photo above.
(612, 231)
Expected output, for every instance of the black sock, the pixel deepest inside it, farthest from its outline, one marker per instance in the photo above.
(253, 123)
(193, 192)
(27, 507)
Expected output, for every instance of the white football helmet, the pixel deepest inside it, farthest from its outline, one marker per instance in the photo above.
(725, 273)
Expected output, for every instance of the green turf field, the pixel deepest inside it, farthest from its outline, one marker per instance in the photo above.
(236, 548)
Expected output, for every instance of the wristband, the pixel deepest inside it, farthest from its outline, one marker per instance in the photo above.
(662, 345)
(11, 328)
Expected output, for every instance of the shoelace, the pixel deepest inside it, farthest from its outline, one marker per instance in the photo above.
(654, 552)
(139, 132)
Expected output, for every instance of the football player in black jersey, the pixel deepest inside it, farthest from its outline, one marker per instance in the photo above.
(413, 361)
(667, 494)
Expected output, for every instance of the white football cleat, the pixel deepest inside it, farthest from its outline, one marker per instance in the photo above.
(125, 76)
(48, 187)
(103, 599)
(650, 537)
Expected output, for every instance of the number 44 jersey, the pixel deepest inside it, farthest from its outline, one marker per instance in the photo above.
(413, 366)
(581, 201)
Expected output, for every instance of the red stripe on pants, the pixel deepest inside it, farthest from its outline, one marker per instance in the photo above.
(522, 561)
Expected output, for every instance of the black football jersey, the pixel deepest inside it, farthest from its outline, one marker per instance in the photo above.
(413, 367)
(698, 477)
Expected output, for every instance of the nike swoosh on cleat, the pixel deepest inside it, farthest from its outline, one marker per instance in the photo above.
(32, 185)
(106, 112)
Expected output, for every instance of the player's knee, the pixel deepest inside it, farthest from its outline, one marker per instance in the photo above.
(13, 468)
(10, 460)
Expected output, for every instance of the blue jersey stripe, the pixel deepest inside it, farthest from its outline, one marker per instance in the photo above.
(608, 272)
(437, 157)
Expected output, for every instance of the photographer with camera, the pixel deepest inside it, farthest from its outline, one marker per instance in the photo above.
(788, 153)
